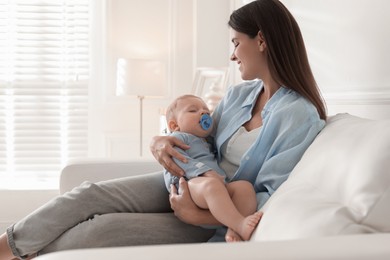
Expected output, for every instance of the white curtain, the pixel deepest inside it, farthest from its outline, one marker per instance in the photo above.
(44, 76)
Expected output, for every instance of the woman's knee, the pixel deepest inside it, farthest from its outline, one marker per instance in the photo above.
(82, 190)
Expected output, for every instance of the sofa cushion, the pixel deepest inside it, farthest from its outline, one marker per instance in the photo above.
(340, 186)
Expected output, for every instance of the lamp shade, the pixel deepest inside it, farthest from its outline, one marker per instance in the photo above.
(138, 77)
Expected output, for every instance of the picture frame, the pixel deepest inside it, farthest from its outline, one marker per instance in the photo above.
(210, 80)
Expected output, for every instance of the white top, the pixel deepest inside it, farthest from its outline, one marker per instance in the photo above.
(235, 147)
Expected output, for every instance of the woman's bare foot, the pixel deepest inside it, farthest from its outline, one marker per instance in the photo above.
(246, 228)
(5, 251)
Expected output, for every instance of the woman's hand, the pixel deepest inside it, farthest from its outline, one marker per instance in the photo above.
(162, 149)
(185, 208)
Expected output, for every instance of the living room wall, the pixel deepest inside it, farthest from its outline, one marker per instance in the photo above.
(347, 43)
(183, 34)
(348, 46)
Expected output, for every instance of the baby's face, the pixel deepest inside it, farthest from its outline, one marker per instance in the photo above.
(188, 114)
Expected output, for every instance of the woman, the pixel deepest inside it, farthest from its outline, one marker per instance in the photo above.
(285, 108)
(275, 119)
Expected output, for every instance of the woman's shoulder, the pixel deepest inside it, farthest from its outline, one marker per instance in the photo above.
(291, 104)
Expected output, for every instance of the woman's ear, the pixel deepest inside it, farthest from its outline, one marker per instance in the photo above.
(261, 41)
(173, 126)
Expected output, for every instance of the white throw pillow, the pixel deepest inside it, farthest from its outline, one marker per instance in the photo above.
(340, 186)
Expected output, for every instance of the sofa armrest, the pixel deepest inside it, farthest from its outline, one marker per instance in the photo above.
(95, 170)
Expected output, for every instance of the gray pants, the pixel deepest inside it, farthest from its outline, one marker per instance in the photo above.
(121, 212)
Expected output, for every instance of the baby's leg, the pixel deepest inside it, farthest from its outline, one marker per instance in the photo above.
(244, 197)
(211, 193)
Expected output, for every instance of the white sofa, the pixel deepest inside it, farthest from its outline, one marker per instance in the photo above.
(335, 204)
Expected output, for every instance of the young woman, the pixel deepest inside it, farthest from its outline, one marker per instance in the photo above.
(284, 107)
(264, 127)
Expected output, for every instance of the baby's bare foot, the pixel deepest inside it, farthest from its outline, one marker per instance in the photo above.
(232, 236)
(249, 224)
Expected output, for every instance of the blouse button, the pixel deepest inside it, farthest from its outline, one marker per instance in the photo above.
(247, 158)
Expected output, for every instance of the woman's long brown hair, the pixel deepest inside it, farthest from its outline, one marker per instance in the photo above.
(287, 56)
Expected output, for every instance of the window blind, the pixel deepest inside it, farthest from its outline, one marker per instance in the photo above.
(44, 74)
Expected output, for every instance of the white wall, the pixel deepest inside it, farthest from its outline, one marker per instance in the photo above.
(211, 34)
(132, 29)
(348, 46)
(184, 34)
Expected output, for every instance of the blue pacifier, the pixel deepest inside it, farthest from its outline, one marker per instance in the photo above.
(206, 121)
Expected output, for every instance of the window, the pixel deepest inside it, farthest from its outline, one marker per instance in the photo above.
(44, 77)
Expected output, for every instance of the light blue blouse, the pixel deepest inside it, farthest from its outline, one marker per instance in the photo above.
(290, 124)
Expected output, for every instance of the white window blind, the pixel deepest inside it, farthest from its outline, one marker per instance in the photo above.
(44, 74)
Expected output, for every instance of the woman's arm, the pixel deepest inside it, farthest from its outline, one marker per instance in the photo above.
(162, 149)
(186, 210)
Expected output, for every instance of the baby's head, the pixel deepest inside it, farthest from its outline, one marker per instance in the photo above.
(184, 114)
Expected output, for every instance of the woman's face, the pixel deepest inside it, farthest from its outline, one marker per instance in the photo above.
(248, 56)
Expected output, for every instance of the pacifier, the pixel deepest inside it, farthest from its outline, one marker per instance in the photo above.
(206, 121)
